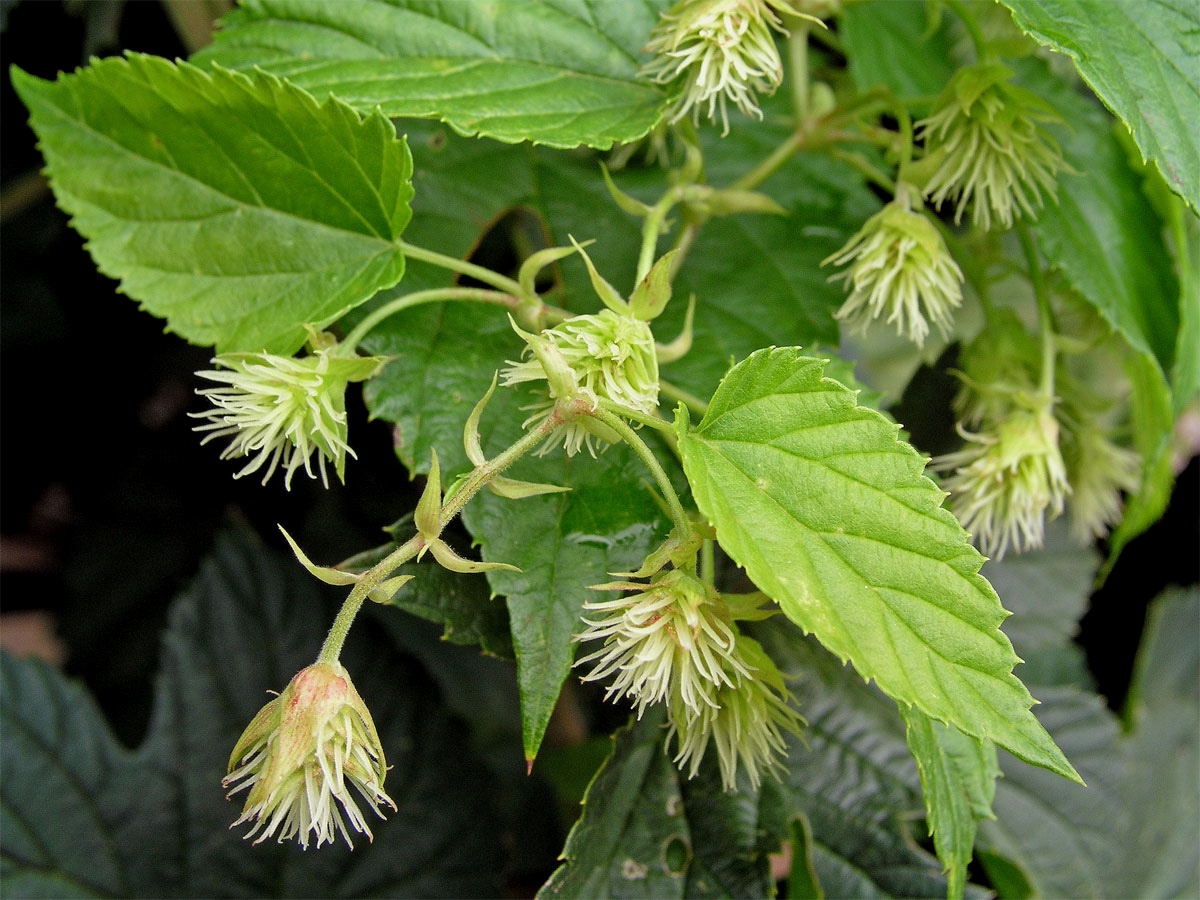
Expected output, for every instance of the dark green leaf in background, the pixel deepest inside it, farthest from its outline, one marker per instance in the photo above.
(235, 208)
(82, 816)
(647, 831)
(832, 518)
(555, 72)
(1139, 56)
(1134, 831)
(890, 43)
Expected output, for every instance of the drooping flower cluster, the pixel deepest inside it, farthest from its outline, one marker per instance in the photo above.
(674, 641)
(746, 722)
(1099, 468)
(723, 50)
(305, 756)
(1008, 477)
(898, 266)
(1029, 456)
(281, 410)
(987, 149)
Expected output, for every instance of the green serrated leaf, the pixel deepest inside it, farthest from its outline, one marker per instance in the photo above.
(831, 517)
(1047, 591)
(1101, 206)
(1153, 422)
(646, 831)
(632, 811)
(958, 778)
(1139, 56)
(195, 189)
(83, 817)
(1134, 832)
(852, 778)
(550, 71)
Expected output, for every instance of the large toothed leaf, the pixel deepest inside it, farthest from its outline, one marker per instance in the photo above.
(558, 72)
(832, 517)
(237, 209)
(1139, 56)
(648, 832)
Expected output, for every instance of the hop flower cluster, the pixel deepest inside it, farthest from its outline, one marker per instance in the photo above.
(607, 356)
(898, 266)
(986, 147)
(280, 411)
(1031, 455)
(301, 756)
(1006, 478)
(724, 51)
(674, 641)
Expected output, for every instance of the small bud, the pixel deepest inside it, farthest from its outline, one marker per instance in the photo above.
(747, 723)
(281, 410)
(985, 145)
(899, 267)
(305, 749)
(670, 638)
(723, 50)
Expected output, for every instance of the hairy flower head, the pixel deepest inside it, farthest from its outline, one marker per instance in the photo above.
(606, 356)
(723, 50)
(1007, 477)
(747, 722)
(898, 266)
(986, 147)
(672, 638)
(1099, 470)
(281, 410)
(305, 750)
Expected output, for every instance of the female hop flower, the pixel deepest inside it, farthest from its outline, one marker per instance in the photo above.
(985, 145)
(280, 410)
(747, 722)
(671, 638)
(304, 750)
(724, 51)
(1007, 477)
(899, 267)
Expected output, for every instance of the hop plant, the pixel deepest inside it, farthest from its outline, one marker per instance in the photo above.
(898, 266)
(305, 750)
(746, 723)
(986, 147)
(1008, 477)
(671, 638)
(282, 410)
(724, 52)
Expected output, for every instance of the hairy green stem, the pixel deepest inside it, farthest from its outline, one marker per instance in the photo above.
(773, 163)
(679, 518)
(373, 577)
(372, 319)
(708, 563)
(652, 228)
(1045, 313)
(479, 273)
(332, 648)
